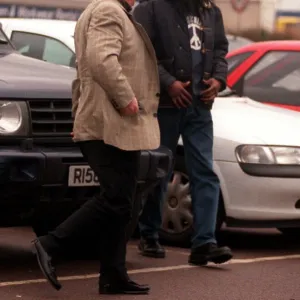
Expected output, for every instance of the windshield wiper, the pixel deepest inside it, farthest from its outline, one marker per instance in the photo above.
(3, 42)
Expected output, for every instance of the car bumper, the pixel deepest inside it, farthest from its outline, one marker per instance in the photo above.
(36, 173)
(259, 201)
(46, 173)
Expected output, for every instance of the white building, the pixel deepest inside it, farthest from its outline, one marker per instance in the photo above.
(256, 14)
(238, 14)
(43, 9)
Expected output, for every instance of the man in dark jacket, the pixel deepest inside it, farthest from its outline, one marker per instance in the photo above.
(191, 45)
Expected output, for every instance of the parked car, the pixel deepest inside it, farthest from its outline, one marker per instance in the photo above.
(43, 176)
(257, 159)
(53, 41)
(48, 40)
(268, 72)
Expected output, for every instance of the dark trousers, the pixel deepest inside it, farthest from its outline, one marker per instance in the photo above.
(105, 217)
(195, 125)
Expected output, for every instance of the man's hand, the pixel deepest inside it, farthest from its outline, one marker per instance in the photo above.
(131, 109)
(180, 96)
(212, 91)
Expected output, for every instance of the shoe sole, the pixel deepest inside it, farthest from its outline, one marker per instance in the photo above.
(220, 259)
(35, 251)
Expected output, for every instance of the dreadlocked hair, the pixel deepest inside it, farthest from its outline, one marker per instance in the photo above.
(207, 3)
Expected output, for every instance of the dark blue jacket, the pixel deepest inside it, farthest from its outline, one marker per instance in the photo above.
(167, 28)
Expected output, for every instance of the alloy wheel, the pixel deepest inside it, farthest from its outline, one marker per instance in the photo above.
(177, 215)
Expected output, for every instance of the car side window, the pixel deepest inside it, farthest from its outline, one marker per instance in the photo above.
(276, 69)
(236, 60)
(275, 78)
(267, 60)
(42, 47)
(289, 81)
(28, 44)
(56, 52)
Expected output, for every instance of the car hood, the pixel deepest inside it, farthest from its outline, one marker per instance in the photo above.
(244, 121)
(25, 77)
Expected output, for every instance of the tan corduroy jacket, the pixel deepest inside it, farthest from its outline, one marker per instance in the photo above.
(115, 63)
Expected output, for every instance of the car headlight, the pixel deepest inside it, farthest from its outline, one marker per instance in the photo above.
(268, 155)
(269, 161)
(14, 118)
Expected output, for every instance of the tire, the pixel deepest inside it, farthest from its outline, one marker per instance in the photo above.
(177, 225)
(291, 232)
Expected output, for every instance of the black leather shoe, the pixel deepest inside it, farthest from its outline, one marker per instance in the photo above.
(210, 252)
(123, 287)
(151, 248)
(44, 261)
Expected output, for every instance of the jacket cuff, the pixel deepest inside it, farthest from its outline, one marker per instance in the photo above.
(122, 101)
(222, 81)
(169, 81)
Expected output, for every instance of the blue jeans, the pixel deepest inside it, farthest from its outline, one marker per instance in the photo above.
(195, 126)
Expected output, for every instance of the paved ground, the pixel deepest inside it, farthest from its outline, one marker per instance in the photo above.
(266, 266)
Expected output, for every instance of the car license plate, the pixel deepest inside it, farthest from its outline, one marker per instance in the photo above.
(80, 176)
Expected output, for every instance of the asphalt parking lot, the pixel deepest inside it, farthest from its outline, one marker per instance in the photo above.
(266, 266)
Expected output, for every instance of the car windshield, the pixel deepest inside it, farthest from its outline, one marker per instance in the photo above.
(4, 42)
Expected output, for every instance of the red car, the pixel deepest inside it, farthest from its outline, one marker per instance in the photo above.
(268, 72)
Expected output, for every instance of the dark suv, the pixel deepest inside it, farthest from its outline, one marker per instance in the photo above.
(43, 176)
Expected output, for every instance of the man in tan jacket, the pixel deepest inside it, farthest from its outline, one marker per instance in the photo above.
(115, 101)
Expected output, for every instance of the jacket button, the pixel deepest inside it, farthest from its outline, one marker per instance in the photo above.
(157, 95)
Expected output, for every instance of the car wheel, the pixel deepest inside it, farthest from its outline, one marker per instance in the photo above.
(177, 224)
(290, 231)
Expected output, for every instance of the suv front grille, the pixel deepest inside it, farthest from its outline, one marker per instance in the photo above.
(51, 117)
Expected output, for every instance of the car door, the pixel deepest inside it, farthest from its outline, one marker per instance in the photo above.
(43, 47)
